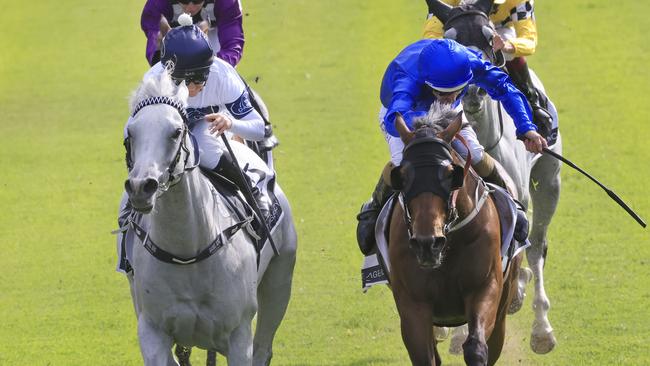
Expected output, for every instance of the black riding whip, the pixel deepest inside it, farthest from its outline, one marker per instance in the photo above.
(611, 194)
(256, 208)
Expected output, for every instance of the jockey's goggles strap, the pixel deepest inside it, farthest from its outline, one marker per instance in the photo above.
(162, 100)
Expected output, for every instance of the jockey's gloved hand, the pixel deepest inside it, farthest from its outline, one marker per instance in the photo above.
(534, 142)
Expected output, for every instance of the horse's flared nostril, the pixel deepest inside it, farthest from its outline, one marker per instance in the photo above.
(439, 241)
(150, 186)
(127, 186)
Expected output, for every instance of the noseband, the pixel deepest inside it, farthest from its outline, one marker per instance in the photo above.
(172, 178)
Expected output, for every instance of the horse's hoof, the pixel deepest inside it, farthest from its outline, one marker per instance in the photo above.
(456, 345)
(542, 343)
(525, 275)
(440, 333)
(516, 304)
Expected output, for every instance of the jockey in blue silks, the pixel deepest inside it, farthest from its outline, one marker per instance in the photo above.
(440, 70)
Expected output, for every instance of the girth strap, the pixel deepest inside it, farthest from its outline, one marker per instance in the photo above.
(164, 256)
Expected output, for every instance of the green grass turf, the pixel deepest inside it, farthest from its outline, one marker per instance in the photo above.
(66, 71)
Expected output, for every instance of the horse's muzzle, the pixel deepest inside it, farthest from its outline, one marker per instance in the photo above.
(429, 250)
(141, 193)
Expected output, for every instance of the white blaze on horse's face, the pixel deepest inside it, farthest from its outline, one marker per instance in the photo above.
(154, 136)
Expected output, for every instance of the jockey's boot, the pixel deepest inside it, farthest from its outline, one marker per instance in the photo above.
(520, 75)
(488, 170)
(370, 211)
(270, 141)
(231, 171)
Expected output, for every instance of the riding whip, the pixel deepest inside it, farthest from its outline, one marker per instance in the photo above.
(254, 205)
(611, 194)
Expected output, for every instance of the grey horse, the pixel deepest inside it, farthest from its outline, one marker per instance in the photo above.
(210, 295)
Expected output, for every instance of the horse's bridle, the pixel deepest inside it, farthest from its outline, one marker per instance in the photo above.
(172, 178)
(451, 223)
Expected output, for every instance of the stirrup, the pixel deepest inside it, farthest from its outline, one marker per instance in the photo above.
(366, 227)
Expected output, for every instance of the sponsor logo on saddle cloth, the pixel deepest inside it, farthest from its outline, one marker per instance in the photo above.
(375, 268)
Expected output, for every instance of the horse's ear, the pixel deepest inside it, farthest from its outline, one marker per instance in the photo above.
(448, 133)
(402, 129)
(439, 9)
(484, 6)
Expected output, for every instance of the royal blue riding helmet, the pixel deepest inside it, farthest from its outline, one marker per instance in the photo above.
(444, 65)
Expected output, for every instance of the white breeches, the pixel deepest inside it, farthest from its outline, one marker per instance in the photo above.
(396, 146)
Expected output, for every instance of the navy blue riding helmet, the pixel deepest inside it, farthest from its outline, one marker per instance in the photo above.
(187, 53)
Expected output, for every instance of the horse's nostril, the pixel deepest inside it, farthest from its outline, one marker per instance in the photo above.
(150, 186)
(439, 241)
(127, 186)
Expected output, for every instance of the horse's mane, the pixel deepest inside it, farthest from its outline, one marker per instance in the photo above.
(438, 118)
(158, 86)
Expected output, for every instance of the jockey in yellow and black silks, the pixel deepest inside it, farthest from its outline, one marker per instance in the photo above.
(514, 21)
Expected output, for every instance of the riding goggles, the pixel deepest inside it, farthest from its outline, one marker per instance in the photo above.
(198, 77)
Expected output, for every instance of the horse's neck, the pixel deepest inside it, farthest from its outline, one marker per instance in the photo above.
(496, 132)
(185, 217)
(487, 124)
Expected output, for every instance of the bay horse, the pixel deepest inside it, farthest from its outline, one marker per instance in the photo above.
(536, 177)
(196, 279)
(445, 247)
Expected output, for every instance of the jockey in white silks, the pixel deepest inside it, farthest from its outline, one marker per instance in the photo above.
(218, 104)
(440, 70)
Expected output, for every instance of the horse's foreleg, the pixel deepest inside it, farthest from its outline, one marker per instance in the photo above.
(481, 309)
(545, 189)
(273, 295)
(240, 345)
(155, 345)
(417, 332)
(458, 337)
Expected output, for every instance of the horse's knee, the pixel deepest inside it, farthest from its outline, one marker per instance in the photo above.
(475, 352)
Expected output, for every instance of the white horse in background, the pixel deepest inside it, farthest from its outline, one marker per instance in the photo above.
(537, 178)
(209, 303)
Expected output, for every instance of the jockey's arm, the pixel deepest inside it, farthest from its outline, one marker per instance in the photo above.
(519, 15)
(150, 24)
(244, 120)
(526, 41)
(398, 91)
(499, 86)
(229, 29)
(433, 25)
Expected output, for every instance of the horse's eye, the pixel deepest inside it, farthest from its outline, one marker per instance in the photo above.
(177, 133)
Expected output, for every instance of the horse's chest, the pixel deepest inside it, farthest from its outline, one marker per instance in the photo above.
(198, 304)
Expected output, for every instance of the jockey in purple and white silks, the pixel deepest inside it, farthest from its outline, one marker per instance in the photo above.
(218, 104)
(440, 69)
(221, 20)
